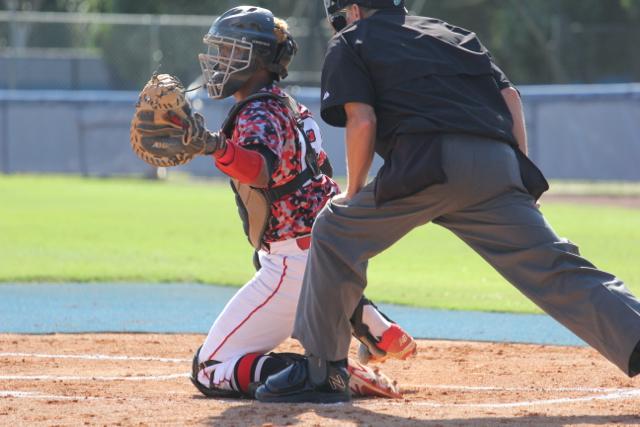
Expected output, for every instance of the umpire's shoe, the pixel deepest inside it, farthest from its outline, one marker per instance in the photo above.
(311, 380)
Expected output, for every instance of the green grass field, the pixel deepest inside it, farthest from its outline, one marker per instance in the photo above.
(65, 229)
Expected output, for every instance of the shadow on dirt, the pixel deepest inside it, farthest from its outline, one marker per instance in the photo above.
(259, 414)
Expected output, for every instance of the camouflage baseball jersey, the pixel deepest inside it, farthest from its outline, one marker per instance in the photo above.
(266, 122)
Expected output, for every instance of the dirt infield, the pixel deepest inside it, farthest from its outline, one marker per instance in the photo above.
(141, 379)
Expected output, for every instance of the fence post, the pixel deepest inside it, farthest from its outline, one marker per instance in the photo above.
(155, 52)
(5, 137)
(316, 17)
(82, 140)
(13, 45)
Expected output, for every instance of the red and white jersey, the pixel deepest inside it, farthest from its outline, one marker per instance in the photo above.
(267, 122)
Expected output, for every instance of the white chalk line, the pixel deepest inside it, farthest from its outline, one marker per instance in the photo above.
(404, 387)
(92, 378)
(625, 395)
(409, 387)
(610, 393)
(620, 395)
(95, 357)
(35, 395)
(614, 394)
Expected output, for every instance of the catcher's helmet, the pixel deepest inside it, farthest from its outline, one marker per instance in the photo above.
(240, 42)
(338, 21)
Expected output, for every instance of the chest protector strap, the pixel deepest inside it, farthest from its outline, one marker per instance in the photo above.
(254, 204)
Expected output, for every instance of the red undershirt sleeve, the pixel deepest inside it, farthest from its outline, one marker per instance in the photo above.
(240, 163)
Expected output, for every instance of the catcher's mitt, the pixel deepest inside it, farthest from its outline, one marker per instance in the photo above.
(164, 131)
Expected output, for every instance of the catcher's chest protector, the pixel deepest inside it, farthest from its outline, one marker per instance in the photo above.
(254, 204)
(254, 210)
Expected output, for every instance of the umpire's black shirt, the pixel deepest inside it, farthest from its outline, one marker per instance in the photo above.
(422, 76)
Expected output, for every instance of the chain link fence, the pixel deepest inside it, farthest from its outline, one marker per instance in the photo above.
(78, 53)
(70, 51)
(51, 50)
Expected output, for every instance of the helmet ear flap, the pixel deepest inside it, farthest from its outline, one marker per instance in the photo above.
(286, 50)
(284, 53)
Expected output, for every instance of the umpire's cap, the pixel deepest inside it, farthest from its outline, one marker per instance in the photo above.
(333, 6)
(338, 20)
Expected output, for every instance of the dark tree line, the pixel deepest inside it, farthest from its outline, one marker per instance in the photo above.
(535, 41)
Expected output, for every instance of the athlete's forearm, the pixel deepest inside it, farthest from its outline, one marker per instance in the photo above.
(512, 99)
(360, 144)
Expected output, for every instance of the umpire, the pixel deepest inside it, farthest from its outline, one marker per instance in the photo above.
(427, 97)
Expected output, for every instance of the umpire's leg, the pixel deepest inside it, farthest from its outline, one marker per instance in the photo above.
(345, 237)
(343, 240)
(513, 236)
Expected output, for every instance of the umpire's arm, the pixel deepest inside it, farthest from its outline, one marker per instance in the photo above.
(360, 144)
(514, 103)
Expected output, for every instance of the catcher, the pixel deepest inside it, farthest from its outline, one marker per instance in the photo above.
(270, 147)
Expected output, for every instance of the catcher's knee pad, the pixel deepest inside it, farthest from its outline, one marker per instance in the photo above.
(252, 370)
(244, 376)
(283, 360)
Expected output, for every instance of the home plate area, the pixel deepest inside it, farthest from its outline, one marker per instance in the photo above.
(142, 379)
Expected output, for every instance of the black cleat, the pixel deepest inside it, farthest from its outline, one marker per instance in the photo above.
(311, 380)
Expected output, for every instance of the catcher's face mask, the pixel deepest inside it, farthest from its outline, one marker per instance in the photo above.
(226, 66)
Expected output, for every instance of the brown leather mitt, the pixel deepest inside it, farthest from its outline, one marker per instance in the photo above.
(164, 131)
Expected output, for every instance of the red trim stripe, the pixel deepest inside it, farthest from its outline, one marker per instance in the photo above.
(284, 272)
(244, 371)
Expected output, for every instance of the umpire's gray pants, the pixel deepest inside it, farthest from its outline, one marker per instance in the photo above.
(485, 204)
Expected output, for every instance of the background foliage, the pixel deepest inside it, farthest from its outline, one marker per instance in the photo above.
(536, 42)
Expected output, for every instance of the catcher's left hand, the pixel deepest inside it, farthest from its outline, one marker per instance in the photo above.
(164, 131)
